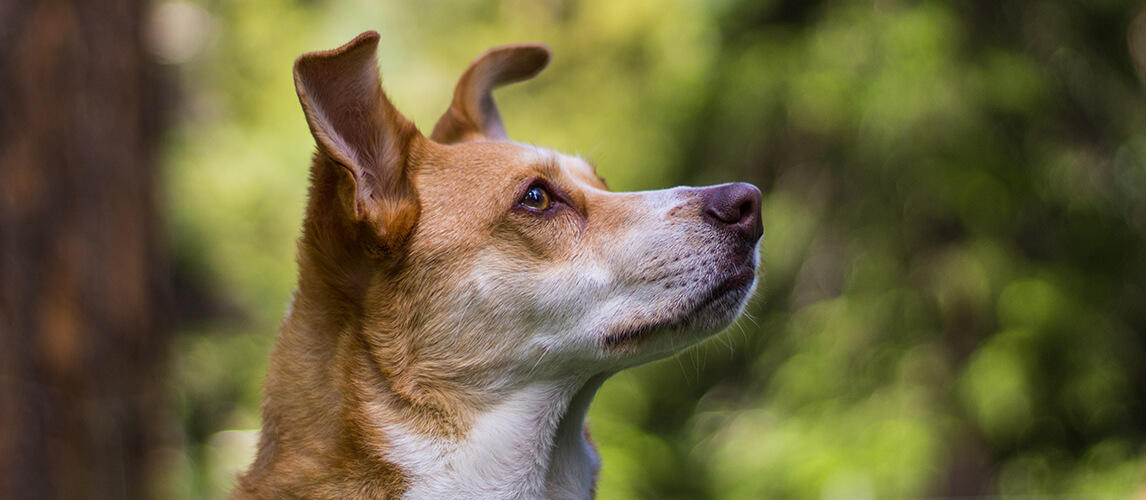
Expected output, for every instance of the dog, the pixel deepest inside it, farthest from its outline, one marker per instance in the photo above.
(462, 297)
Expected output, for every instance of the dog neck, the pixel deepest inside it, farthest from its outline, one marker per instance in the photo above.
(522, 440)
(530, 444)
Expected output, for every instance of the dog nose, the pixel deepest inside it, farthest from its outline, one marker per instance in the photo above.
(736, 206)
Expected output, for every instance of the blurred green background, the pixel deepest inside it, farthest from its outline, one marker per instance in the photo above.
(955, 251)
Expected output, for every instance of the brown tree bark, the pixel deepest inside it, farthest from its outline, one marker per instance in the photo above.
(80, 262)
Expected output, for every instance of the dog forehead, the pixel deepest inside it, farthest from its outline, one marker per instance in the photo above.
(480, 165)
(577, 169)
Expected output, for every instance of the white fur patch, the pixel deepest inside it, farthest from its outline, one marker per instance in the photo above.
(506, 454)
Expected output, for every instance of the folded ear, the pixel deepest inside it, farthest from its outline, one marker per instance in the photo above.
(473, 114)
(359, 130)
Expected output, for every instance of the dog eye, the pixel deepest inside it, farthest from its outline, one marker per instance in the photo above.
(536, 198)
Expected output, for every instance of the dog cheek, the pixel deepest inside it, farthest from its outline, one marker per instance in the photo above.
(541, 239)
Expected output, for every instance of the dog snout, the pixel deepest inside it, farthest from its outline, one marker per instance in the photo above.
(736, 207)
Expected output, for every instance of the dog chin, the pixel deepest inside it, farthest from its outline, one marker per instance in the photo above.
(709, 312)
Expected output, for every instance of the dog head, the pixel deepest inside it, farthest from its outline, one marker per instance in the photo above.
(466, 260)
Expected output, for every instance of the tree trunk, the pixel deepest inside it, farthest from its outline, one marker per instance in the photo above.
(81, 344)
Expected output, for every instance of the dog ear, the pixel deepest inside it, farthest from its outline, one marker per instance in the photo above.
(359, 130)
(473, 114)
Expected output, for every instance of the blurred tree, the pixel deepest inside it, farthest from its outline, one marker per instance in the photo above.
(81, 273)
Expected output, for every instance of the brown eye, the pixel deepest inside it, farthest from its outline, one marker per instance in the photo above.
(536, 198)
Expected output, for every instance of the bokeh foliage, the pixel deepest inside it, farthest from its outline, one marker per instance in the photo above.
(955, 292)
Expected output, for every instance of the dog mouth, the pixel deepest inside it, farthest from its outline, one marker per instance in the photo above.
(713, 308)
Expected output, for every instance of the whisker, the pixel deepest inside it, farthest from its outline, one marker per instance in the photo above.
(672, 344)
(544, 352)
(726, 343)
(695, 362)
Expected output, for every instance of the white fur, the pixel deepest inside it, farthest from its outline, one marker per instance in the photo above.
(508, 452)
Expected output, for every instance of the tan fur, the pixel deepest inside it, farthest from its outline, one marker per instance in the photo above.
(429, 298)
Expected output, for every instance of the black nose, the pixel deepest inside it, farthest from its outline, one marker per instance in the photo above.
(737, 207)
